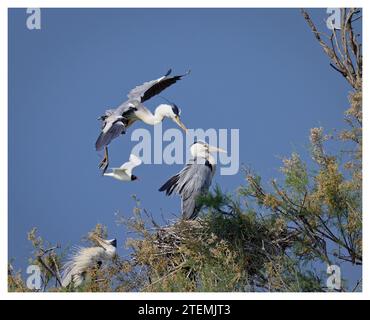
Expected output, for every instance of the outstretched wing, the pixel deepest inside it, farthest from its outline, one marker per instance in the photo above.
(133, 162)
(149, 89)
(106, 137)
(127, 110)
(192, 181)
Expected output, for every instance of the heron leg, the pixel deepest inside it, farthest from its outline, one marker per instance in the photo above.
(103, 165)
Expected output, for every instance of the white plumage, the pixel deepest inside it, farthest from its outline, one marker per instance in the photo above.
(74, 271)
(124, 172)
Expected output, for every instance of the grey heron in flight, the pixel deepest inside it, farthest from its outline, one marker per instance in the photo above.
(116, 121)
(124, 172)
(74, 271)
(194, 179)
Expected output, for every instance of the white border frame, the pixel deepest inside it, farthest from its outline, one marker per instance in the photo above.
(5, 4)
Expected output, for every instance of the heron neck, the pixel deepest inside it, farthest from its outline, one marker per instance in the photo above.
(207, 156)
(151, 119)
(211, 160)
(110, 251)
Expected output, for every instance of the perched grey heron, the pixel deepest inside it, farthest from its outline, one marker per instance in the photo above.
(194, 179)
(74, 271)
(124, 172)
(116, 121)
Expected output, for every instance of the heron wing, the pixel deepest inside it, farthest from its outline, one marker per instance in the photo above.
(151, 88)
(126, 109)
(192, 181)
(106, 137)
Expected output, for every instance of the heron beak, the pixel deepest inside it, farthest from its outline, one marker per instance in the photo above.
(180, 124)
(113, 242)
(215, 149)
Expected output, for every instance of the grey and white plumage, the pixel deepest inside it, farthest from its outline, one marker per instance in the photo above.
(124, 172)
(116, 121)
(75, 269)
(194, 179)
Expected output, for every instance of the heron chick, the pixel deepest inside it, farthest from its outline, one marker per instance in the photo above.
(74, 271)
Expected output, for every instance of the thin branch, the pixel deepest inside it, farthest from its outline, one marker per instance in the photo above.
(51, 271)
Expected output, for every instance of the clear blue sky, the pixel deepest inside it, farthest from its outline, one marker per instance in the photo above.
(258, 70)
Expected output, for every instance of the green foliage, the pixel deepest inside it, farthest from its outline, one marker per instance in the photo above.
(296, 176)
(228, 249)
